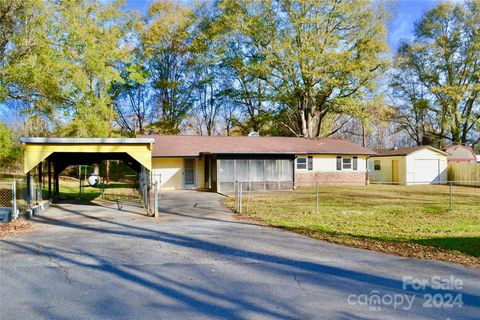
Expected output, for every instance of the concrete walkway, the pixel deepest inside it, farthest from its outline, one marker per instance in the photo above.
(197, 261)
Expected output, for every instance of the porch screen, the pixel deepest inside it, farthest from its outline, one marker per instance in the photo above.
(255, 174)
(226, 174)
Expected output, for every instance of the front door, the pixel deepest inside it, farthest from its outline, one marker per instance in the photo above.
(189, 174)
(395, 171)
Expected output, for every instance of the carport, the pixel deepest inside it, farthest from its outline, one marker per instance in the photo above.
(56, 154)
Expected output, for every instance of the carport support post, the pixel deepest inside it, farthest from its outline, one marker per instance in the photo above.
(49, 179)
(57, 185)
(56, 182)
(40, 181)
(80, 181)
(28, 195)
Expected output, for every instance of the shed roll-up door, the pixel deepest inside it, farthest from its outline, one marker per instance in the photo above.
(427, 171)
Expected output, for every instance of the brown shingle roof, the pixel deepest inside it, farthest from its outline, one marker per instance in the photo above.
(170, 146)
(402, 151)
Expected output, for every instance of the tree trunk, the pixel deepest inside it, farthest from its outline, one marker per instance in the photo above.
(364, 135)
(303, 123)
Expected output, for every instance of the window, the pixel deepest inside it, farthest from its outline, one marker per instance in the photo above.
(376, 165)
(347, 163)
(310, 163)
(339, 163)
(301, 163)
(355, 163)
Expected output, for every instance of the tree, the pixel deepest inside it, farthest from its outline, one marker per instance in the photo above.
(412, 107)
(166, 42)
(9, 151)
(133, 109)
(94, 42)
(208, 76)
(132, 99)
(60, 59)
(318, 58)
(208, 99)
(443, 62)
(29, 70)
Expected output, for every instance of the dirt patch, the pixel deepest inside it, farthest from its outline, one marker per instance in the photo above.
(14, 228)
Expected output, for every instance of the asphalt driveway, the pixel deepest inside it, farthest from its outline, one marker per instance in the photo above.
(197, 261)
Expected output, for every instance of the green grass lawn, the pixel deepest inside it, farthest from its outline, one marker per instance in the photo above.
(371, 215)
(69, 189)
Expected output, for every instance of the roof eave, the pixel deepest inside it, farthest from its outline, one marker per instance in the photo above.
(265, 153)
(40, 140)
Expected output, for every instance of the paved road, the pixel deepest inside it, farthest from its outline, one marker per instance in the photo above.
(198, 262)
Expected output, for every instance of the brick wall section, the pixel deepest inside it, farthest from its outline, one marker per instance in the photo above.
(303, 179)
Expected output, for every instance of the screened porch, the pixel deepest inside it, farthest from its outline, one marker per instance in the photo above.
(256, 174)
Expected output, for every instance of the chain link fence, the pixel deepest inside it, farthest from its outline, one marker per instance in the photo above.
(244, 194)
(311, 198)
(7, 201)
(12, 199)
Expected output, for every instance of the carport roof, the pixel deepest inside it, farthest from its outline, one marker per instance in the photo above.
(88, 140)
(81, 150)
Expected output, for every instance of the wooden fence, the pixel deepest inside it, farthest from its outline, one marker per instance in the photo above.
(463, 171)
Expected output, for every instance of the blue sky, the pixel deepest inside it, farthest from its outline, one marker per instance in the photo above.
(403, 13)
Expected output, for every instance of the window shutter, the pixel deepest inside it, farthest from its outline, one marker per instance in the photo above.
(310, 163)
(339, 163)
(355, 163)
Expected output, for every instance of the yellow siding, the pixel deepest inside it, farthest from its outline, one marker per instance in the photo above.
(170, 171)
(385, 172)
(328, 163)
(200, 173)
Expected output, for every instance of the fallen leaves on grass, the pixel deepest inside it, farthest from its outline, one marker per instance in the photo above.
(409, 250)
(409, 221)
(14, 227)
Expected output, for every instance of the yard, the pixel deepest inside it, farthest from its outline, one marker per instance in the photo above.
(124, 189)
(412, 221)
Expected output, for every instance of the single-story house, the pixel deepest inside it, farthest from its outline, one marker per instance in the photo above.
(460, 153)
(409, 165)
(261, 163)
